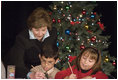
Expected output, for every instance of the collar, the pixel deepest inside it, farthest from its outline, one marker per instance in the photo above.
(50, 71)
(31, 35)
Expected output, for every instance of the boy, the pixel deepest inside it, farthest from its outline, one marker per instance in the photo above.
(48, 57)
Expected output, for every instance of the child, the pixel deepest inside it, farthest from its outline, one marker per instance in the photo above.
(87, 66)
(48, 57)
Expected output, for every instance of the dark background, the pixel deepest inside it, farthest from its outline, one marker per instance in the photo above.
(14, 15)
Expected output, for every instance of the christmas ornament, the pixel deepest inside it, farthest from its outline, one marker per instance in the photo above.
(93, 39)
(92, 16)
(69, 17)
(114, 63)
(69, 50)
(77, 22)
(67, 31)
(58, 20)
(88, 40)
(106, 59)
(86, 26)
(57, 44)
(53, 20)
(63, 14)
(78, 38)
(67, 47)
(57, 33)
(62, 39)
(55, 7)
(72, 22)
(70, 5)
(67, 7)
(83, 12)
(92, 24)
(61, 8)
(80, 15)
(82, 47)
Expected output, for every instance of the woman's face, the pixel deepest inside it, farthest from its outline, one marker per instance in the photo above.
(40, 32)
(86, 62)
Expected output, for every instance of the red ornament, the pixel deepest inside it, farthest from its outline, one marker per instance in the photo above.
(93, 39)
(82, 47)
(53, 20)
(72, 22)
(83, 12)
(114, 63)
(71, 58)
(59, 20)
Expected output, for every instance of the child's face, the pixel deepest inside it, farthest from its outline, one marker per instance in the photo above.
(40, 32)
(86, 62)
(47, 63)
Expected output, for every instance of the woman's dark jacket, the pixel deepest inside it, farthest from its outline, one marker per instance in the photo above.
(25, 52)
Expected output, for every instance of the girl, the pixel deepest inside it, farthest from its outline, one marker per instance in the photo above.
(87, 66)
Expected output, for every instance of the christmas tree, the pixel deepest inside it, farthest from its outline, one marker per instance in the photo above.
(79, 26)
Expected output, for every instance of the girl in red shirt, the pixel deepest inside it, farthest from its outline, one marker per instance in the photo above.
(87, 66)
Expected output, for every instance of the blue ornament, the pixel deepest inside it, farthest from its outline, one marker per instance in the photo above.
(92, 16)
(79, 19)
(67, 31)
(74, 20)
(57, 44)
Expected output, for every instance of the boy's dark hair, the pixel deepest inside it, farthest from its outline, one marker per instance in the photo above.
(97, 65)
(49, 51)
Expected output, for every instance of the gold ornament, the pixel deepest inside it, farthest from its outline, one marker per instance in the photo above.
(86, 26)
(55, 7)
(106, 59)
(61, 8)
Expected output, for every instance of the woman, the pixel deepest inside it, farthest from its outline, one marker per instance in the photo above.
(39, 31)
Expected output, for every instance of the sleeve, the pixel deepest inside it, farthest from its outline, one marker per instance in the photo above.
(100, 75)
(63, 74)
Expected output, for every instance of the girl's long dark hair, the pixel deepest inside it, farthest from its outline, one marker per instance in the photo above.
(97, 65)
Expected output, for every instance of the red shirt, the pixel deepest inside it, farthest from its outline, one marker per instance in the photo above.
(79, 74)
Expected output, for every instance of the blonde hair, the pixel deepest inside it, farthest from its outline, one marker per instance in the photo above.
(39, 18)
(94, 54)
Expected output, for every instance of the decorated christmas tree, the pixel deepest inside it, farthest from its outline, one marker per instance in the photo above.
(79, 26)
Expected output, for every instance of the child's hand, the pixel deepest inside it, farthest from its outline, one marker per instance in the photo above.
(72, 76)
(87, 77)
(39, 75)
(31, 76)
